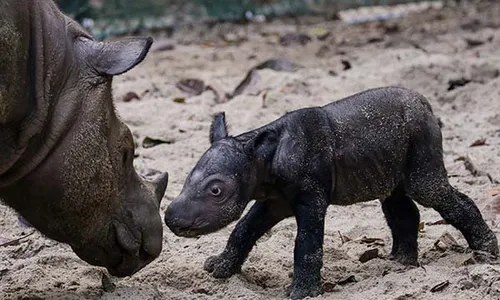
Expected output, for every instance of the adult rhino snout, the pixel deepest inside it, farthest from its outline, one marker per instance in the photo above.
(134, 237)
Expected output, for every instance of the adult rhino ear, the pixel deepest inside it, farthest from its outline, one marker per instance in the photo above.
(114, 57)
(218, 129)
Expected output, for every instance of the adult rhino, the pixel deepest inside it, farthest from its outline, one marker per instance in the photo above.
(65, 157)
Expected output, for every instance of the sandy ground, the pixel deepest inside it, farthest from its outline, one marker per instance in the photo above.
(423, 52)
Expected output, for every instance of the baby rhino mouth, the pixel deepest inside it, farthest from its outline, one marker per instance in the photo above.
(186, 227)
(189, 218)
(194, 229)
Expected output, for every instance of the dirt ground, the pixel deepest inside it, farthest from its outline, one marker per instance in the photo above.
(449, 55)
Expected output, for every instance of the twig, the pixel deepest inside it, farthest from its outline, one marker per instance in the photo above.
(469, 166)
(417, 46)
(341, 237)
(16, 241)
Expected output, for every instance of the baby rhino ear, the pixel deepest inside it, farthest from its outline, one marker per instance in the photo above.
(263, 145)
(218, 129)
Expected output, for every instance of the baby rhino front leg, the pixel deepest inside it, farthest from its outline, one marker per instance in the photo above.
(310, 211)
(261, 217)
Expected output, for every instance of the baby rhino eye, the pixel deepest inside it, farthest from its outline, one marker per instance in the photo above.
(215, 190)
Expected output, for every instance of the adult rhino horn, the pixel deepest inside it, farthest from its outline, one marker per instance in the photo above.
(160, 185)
(114, 57)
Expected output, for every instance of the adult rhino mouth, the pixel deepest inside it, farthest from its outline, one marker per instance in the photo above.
(131, 264)
(135, 251)
(124, 254)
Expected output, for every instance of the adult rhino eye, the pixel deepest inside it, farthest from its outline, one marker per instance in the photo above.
(126, 157)
(215, 191)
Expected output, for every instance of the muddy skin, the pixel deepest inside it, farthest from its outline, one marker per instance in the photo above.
(381, 144)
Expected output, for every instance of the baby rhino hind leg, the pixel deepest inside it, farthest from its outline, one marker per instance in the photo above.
(403, 218)
(427, 184)
(459, 211)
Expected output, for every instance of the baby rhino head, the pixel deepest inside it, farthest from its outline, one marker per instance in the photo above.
(220, 185)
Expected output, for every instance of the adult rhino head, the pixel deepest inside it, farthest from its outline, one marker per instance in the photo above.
(66, 159)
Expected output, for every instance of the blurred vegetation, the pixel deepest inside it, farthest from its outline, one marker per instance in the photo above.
(77, 9)
(116, 17)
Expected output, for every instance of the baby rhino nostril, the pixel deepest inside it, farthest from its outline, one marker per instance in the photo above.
(172, 219)
(179, 226)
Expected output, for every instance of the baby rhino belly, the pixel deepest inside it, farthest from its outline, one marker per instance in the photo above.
(366, 178)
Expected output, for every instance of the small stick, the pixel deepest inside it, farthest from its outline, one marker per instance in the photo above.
(469, 166)
(341, 237)
(16, 241)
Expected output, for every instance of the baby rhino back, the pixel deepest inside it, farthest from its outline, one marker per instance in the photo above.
(372, 135)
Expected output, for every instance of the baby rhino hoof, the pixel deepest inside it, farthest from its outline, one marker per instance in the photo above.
(487, 251)
(405, 260)
(483, 257)
(220, 267)
(302, 292)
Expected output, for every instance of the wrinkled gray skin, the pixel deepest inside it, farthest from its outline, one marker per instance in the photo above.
(65, 158)
(380, 144)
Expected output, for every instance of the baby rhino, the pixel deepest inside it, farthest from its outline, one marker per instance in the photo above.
(379, 144)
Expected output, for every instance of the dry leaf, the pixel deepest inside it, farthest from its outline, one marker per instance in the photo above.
(346, 280)
(471, 43)
(130, 96)
(446, 241)
(250, 82)
(328, 287)
(368, 255)
(294, 38)
(149, 142)
(191, 86)
(320, 33)
(439, 222)
(440, 286)
(179, 100)
(479, 142)
(346, 64)
(494, 192)
(372, 240)
(456, 83)
(279, 65)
